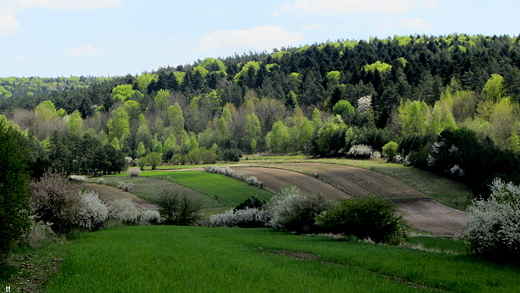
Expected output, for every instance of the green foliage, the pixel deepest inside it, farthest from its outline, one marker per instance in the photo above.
(14, 195)
(252, 202)
(278, 139)
(344, 109)
(494, 88)
(365, 218)
(178, 209)
(390, 150)
(122, 92)
(413, 117)
(153, 159)
(379, 66)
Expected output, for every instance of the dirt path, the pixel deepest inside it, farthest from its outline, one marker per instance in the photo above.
(109, 193)
(276, 179)
(421, 212)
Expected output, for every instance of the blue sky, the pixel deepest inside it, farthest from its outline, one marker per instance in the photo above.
(51, 38)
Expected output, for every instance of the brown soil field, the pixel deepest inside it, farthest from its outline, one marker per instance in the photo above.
(275, 179)
(109, 193)
(419, 211)
(357, 182)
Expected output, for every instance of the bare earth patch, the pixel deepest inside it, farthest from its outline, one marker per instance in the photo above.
(276, 179)
(109, 193)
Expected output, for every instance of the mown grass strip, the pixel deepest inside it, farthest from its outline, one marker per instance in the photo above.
(228, 191)
(198, 259)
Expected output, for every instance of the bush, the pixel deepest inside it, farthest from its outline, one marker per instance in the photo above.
(251, 202)
(125, 186)
(364, 218)
(390, 150)
(493, 225)
(57, 200)
(231, 155)
(134, 172)
(252, 180)
(178, 209)
(290, 210)
(93, 213)
(360, 151)
(124, 211)
(151, 217)
(243, 218)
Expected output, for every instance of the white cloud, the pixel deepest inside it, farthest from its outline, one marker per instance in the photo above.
(9, 8)
(8, 24)
(84, 51)
(401, 26)
(260, 38)
(314, 26)
(342, 7)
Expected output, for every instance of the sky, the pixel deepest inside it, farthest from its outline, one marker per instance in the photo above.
(54, 38)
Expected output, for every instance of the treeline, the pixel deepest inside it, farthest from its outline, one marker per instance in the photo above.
(323, 100)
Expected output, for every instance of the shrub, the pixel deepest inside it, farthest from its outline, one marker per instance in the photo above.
(360, 151)
(154, 159)
(390, 150)
(493, 225)
(290, 210)
(364, 218)
(252, 180)
(178, 209)
(134, 172)
(124, 211)
(231, 155)
(56, 200)
(151, 217)
(125, 186)
(243, 218)
(251, 202)
(93, 213)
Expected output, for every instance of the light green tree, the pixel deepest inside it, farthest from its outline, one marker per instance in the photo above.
(278, 139)
(176, 119)
(75, 124)
(161, 99)
(494, 88)
(305, 135)
(412, 116)
(122, 92)
(45, 111)
(252, 131)
(144, 80)
(119, 125)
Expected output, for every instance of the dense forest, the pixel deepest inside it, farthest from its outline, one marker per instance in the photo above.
(450, 103)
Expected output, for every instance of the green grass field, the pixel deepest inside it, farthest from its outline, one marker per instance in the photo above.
(198, 259)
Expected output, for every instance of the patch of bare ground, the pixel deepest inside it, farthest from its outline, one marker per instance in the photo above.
(428, 215)
(109, 193)
(357, 182)
(276, 179)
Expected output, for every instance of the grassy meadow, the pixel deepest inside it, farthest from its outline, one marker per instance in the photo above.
(198, 259)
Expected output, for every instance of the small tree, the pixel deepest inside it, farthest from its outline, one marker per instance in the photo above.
(154, 159)
(56, 200)
(390, 150)
(178, 209)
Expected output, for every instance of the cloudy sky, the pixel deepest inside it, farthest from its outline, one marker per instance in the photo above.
(50, 38)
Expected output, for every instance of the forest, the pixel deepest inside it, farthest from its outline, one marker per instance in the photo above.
(448, 104)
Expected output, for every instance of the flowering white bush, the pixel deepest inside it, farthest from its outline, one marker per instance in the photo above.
(254, 181)
(493, 226)
(151, 217)
(93, 212)
(290, 210)
(231, 173)
(244, 218)
(360, 151)
(126, 186)
(134, 172)
(123, 210)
